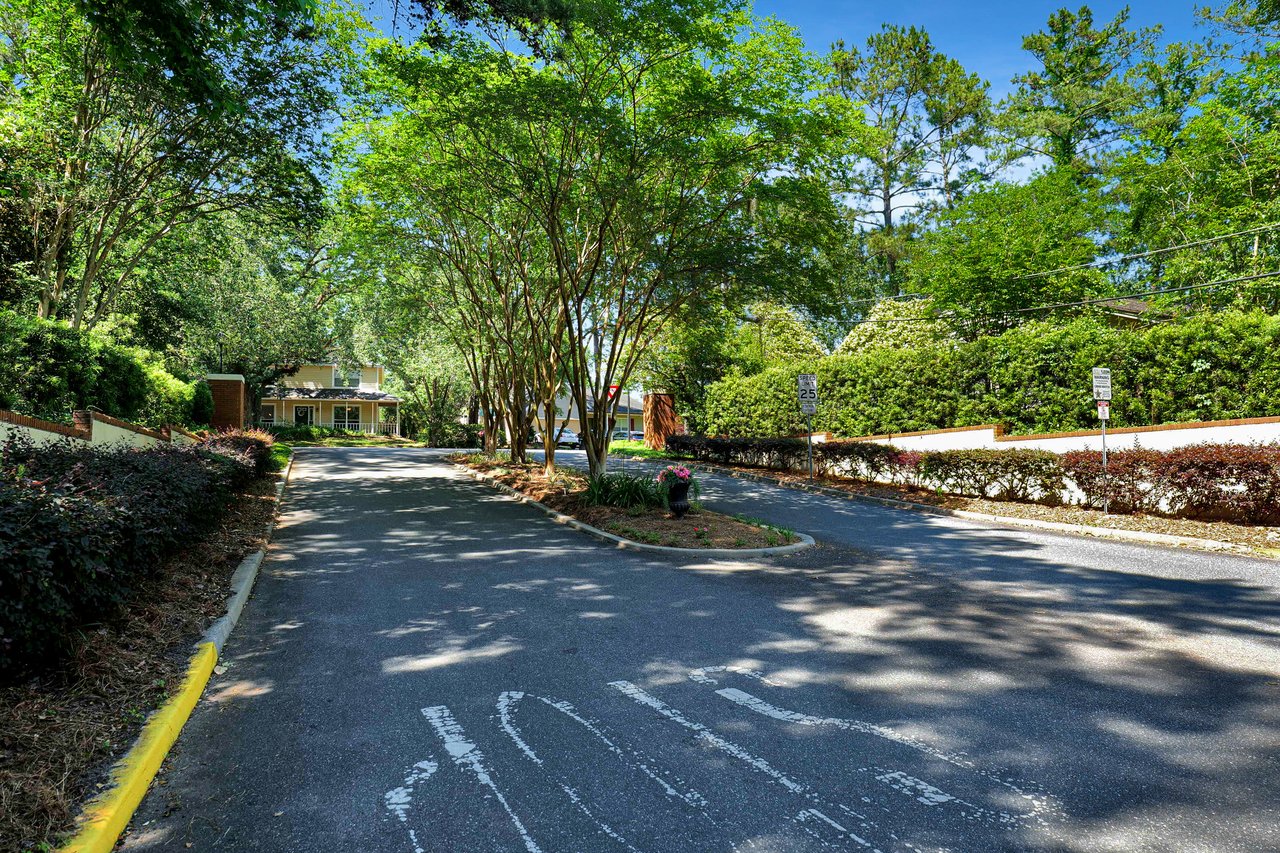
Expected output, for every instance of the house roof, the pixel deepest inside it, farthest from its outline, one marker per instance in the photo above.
(274, 392)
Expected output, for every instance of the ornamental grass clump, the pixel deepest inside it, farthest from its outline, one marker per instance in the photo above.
(627, 491)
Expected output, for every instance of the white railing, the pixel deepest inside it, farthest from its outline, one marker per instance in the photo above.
(350, 426)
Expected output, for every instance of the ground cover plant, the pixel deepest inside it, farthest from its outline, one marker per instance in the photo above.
(80, 526)
(78, 687)
(629, 505)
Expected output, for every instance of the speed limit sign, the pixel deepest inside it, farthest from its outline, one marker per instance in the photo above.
(807, 387)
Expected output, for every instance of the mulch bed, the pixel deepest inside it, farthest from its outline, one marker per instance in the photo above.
(1263, 539)
(699, 529)
(61, 732)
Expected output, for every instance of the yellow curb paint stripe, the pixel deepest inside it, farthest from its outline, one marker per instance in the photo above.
(105, 818)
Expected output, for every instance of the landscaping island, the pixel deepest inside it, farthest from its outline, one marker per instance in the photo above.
(628, 506)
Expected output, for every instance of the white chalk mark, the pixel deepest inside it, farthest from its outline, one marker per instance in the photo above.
(1038, 805)
(755, 762)
(466, 755)
(507, 703)
(398, 800)
(639, 695)
(506, 706)
(810, 814)
(919, 789)
(703, 674)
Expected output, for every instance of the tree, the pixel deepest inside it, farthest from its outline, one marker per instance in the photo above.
(896, 324)
(105, 166)
(925, 116)
(632, 158)
(1070, 109)
(996, 256)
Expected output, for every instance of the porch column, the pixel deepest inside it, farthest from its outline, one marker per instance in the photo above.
(397, 420)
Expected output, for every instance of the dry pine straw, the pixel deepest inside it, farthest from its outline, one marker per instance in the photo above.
(1266, 539)
(698, 529)
(61, 732)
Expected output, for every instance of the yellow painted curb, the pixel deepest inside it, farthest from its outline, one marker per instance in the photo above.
(107, 815)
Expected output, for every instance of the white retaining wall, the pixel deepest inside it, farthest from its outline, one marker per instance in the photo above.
(1161, 437)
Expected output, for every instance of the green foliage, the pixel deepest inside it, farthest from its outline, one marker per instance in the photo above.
(201, 404)
(1034, 378)
(989, 254)
(52, 370)
(896, 324)
(80, 526)
(623, 490)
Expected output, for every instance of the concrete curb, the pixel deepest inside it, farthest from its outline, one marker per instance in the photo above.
(619, 542)
(107, 815)
(1055, 526)
(246, 574)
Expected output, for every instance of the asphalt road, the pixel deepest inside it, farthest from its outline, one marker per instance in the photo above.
(428, 666)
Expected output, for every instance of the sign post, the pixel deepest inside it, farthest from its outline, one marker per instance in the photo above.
(1102, 395)
(807, 393)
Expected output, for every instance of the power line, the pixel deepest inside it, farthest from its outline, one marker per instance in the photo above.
(1102, 263)
(1150, 254)
(1079, 303)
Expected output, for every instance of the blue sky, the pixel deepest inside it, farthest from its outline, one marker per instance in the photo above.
(986, 37)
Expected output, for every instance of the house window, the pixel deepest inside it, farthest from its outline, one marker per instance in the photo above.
(268, 415)
(346, 417)
(346, 378)
(303, 415)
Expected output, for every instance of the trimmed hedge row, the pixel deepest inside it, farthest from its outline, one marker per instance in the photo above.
(1034, 378)
(81, 525)
(1208, 481)
(52, 370)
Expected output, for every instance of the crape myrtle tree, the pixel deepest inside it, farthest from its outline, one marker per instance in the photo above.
(612, 178)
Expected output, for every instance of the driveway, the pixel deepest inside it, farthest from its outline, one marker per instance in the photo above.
(427, 665)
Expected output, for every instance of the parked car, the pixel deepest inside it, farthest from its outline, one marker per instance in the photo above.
(565, 438)
(627, 435)
(636, 435)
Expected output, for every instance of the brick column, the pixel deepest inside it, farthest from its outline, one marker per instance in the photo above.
(230, 401)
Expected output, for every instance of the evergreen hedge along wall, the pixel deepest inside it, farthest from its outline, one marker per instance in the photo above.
(1033, 379)
(49, 370)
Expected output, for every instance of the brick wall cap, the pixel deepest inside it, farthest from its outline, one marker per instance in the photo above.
(227, 376)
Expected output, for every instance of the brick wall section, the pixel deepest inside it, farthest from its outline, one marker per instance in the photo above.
(46, 426)
(230, 403)
(116, 422)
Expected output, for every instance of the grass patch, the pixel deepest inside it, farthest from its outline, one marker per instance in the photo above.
(637, 450)
(280, 454)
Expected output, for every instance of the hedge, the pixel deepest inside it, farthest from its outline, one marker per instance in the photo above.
(80, 526)
(51, 370)
(1034, 378)
(1208, 481)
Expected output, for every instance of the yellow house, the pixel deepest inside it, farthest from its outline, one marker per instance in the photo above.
(330, 395)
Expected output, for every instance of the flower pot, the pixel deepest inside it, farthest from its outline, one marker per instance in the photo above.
(678, 499)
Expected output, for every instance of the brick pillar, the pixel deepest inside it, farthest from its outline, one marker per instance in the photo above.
(83, 421)
(230, 401)
(660, 420)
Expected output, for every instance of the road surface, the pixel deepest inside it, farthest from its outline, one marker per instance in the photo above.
(427, 665)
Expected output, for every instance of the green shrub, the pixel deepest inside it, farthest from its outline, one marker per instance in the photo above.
(1034, 378)
(80, 526)
(52, 370)
(201, 403)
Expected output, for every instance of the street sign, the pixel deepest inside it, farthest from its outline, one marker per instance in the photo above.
(1101, 383)
(807, 387)
(1104, 410)
(808, 408)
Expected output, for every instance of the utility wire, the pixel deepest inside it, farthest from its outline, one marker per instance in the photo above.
(1102, 263)
(1082, 302)
(1150, 254)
